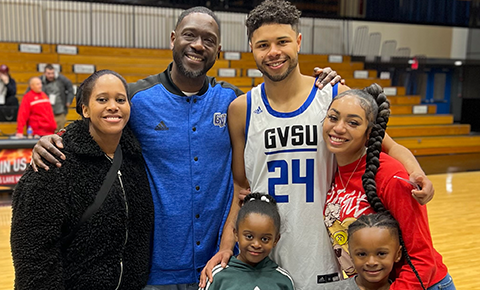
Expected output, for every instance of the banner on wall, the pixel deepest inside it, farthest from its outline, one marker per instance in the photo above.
(13, 163)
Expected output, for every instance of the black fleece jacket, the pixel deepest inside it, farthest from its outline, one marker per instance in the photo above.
(48, 204)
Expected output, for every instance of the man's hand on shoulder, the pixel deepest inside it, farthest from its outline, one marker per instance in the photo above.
(47, 147)
(221, 257)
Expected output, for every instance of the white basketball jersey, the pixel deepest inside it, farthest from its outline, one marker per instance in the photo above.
(286, 157)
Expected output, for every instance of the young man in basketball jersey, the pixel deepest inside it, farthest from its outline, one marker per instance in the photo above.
(278, 148)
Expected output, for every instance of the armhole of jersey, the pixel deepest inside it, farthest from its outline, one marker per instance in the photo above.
(247, 119)
(335, 90)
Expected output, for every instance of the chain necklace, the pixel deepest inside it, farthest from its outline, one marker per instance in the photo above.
(351, 175)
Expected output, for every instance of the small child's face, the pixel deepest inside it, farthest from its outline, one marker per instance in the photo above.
(256, 236)
(374, 252)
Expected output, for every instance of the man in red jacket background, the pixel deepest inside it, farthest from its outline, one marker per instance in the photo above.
(36, 111)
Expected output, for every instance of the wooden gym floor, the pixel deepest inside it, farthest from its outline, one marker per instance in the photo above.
(453, 214)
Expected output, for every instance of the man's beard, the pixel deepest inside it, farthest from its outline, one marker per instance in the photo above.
(178, 57)
(278, 78)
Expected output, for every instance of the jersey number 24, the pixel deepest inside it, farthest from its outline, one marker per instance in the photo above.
(283, 179)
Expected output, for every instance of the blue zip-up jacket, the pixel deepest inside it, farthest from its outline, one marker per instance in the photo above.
(187, 150)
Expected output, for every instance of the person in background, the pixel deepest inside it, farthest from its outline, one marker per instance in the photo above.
(59, 90)
(35, 112)
(53, 245)
(8, 88)
(257, 232)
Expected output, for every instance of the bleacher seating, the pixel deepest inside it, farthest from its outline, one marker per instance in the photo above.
(423, 134)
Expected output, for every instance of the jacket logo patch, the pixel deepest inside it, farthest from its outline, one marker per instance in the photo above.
(161, 127)
(219, 119)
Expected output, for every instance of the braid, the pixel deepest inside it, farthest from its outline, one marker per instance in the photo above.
(409, 260)
(374, 148)
(379, 220)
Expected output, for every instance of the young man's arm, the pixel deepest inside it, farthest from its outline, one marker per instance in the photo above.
(237, 114)
(413, 168)
(227, 241)
(236, 125)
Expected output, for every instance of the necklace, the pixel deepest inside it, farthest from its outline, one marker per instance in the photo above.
(341, 180)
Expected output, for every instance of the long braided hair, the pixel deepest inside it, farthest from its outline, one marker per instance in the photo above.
(374, 147)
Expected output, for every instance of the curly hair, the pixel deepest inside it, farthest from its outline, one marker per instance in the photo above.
(272, 12)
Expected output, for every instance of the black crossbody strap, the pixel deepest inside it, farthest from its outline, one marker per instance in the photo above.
(107, 184)
(101, 195)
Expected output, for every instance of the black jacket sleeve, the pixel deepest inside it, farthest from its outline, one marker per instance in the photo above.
(38, 213)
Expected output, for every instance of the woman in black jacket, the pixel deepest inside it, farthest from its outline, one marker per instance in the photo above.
(51, 249)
